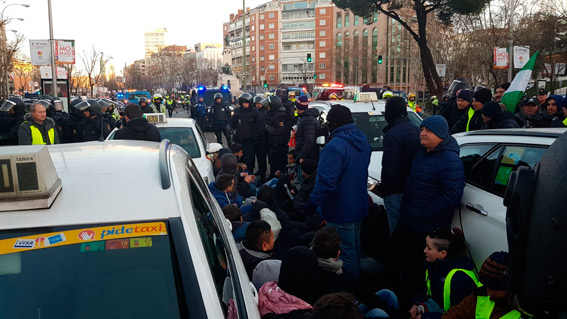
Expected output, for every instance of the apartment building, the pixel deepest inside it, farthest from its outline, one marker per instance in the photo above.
(154, 41)
(343, 47)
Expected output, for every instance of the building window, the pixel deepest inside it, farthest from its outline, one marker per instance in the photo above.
(271, 26)
(321, 55)
(339, 20)
(356, 20)
(272, 67)
(271, 57)
(322, 44)
(261, 58)
(262, 69)
(323, 11)
(322, 65)
(252, 18)
(253, 38)
(261, 37)
(262, 16)
(261, 27)
(375, 17)
(271, 15)
(271, 46)
(271, 36)
(272, 77)
(322, 76)
(253, 28)
(261, 47)
(253, 48)
(339, 40)
(322, 33)
(322, 22)
(347, 19)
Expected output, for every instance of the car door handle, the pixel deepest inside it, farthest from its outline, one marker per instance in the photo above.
(476, 210)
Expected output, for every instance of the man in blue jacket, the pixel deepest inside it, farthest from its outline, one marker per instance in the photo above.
(340, 187)
(434, 188)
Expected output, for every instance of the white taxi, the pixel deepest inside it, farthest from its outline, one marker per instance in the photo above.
(82, 239)
(186, 133)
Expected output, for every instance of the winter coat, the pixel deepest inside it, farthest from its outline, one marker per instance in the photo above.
(537, 120)
(290, 118)
(467, 308)
(200, 110)
(25, 135)
(219, 112)
(74, 124)
(306, 188)
(246, 122)
(251, 258)
(272, 299)
(276, 127)
(475, 124)
(434, 188)
(342, 175)
(224, 198)
(239, 230)
(263, 134)
(456, 115)
(11, 136)
(501, 121)
(92, 127)
(401, 141)
(306, 134)
(558, 121)
(138, 129)
(446, 107)
(148, 109)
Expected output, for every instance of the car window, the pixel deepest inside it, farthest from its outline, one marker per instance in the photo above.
(215, 248)
(372, 126)
(89, 271)
(512, 158)
(482, 172)
(182, 136)
(208, 96)
(470, 154)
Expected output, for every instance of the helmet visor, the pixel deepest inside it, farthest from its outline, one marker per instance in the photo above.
(83, 106)
(7, 106)
(58, 105)
(104, 103)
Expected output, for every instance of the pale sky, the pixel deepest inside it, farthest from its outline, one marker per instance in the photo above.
(117, 27)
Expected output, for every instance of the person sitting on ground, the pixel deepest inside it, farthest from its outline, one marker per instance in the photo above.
(137, 127)
(450, 274)
(238, 151)
(493, 300)
(309, 175)
(216, 159)
(243, 181)
(257, 245)
(494, 118)
(288, 183)
(340, 305)
(234, 215)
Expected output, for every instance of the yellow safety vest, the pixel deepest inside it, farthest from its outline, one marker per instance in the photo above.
(484, 307)
(37, 137)
(565, 122)
(470, 114)
(447, 285)
(412, 105)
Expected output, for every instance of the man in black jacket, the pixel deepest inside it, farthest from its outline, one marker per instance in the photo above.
(220, 114)
(144, 105)
(472, 120)
(277, 138)
(95, 126)
(447, 106)
(401, 141)
(494, 118)
(262, 143)
(306, 133)
(530, 115)
(137, 127)
(247, 124)
(17, 109)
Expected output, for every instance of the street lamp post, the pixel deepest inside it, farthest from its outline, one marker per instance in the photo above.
(4, 44)
(52, 46)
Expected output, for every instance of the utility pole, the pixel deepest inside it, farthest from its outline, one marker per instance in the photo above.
(52, 45)
(244, 44)
(511, 44)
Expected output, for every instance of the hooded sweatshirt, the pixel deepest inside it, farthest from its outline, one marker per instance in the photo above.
(138, 129)
(342, 174)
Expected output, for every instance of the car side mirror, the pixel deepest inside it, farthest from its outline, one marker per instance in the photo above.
(320, 140)
(213, 148)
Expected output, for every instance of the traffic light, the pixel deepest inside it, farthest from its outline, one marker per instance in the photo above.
(380, 59)
(308, 57)
(315, 76)
(265, 84)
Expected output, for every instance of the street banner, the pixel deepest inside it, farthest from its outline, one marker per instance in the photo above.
(45, 72)
(500, 58)
(40, 52)
(441, 69)
(521, 56)
(516, 90)
(65, 51)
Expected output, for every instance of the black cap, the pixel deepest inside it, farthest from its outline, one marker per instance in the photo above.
(542, 92)
(531, 101)
(339, 115)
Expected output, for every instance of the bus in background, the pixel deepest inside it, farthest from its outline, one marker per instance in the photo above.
(133, 96)
(300, 91)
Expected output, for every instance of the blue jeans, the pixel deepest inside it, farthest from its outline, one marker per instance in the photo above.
(350, 246)
(389, 297)
(272, 183)
(392, 204)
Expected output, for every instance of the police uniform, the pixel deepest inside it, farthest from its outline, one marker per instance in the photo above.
(220, 114)
(247, 125)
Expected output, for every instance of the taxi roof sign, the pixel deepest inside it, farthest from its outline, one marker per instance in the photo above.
(365, 97)
(155, 118)
(28, 179)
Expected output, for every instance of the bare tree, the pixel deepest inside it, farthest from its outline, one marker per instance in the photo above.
(7, 52)
(94, 64)
(24, 72)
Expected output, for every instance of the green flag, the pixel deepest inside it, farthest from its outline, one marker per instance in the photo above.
(516, 90)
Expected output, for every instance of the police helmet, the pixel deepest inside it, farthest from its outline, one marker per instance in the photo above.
(218, 96)
(387, 95)
(45, 103)
(105, 103)
(143, 99)
(282, 91)
(333, 96)
(273, 101)
(14, 103)
(48, 98)
(245, 98)
(58, 104)
(411, 94)
(258, 99)
(90, 105)
(158, 97)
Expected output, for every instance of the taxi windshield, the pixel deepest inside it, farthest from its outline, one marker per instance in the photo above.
(114, 271)
(182, 136)
(372, 126)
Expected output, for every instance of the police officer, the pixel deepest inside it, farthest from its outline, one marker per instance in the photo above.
(74, 123)
(282, 91)
(170, 104)
(277, 137)
(199, 113)
(220, 114)
(95, 127)
(37, 128)
(262, 143)
(157, 105)
(17, 109)
(246, 123)
(107, 112)
(144, 104)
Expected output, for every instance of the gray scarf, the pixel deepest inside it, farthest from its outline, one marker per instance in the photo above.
(332, 265)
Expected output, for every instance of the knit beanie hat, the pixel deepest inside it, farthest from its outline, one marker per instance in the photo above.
(395, 108)
(437, 124)
(465, 95)
(309, 166)
(340, 115)
(491, 109)
(301, 103)
(494, 271)
(483, 95)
